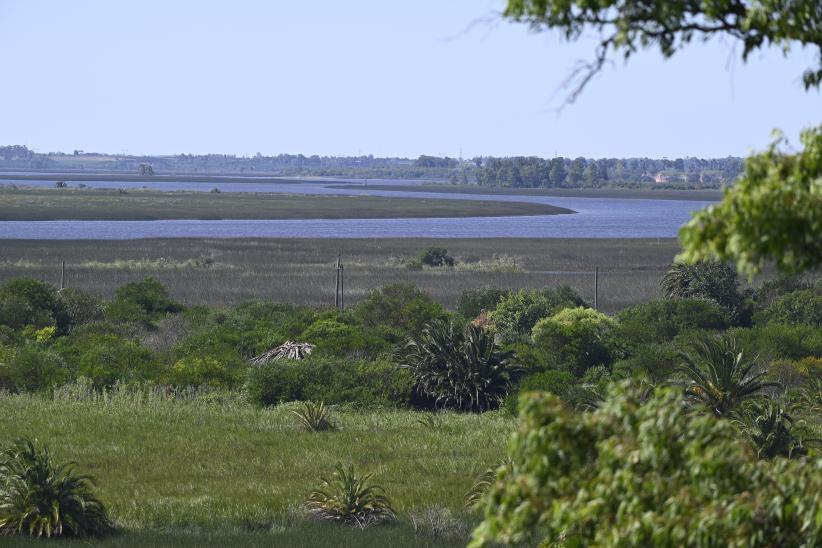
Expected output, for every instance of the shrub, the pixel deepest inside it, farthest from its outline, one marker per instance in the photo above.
(473, 301)
(206, 371)
(662, 320)
(349, 499)
(25, 301)
(461, 369)
(337, 338)
(80, 307)
(41, 499)
(435, 256)
(799, 307)
(656, 362)
(401, 307)
(772, 432)
(555, 382)
(775, 341)
(143, 301)
(577, 338)
(516, 313)
(649, 474)
(708, 280)
(108, 358)
(365, 384)
(31, 368)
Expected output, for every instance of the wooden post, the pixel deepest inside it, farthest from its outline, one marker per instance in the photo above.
(596, 288)
(62, 274)
(342, 287)
(337, 286)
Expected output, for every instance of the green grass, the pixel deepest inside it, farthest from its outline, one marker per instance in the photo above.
(46, 204)
(648, 193)
(198, 468)
(223, 272)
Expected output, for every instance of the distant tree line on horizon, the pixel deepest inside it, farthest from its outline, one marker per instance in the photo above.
(511, 172)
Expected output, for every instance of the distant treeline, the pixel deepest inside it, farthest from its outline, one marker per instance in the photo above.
(518, 172)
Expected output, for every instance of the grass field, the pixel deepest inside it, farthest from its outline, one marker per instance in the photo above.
(300, 271)
(193, 472)
(644, 194)
(47, 204)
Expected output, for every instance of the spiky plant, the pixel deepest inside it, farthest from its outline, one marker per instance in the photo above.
(476, 494)
(772, 431)
(39, 498)
(720, 376)
(350, 499)
(431, 421)
(462, 369)
(314, 416)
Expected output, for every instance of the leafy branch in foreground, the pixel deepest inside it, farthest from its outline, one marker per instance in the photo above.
(626, 26)
(41, 499)
(772, 213)
(350, 500)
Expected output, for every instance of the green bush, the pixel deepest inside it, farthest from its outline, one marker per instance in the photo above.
(796, 308)
(576, 339)
(473, 301)
(31, 368)
(206, 371)
(435, 256)
(656, 362)
(662, 320)
(555, 382)
(142, 302)
(779, 341)
(28, 302)
(709, 280)
(365, 384)
(107, 358)
(80, 307)
(516, 313)
(400, 307)
(652, 474)
(337, 338)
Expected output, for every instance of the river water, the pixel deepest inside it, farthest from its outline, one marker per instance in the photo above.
(594, 218)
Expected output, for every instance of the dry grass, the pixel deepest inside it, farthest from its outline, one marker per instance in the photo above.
(228, 271)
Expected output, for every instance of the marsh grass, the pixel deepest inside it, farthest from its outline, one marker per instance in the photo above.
(301, 271)
(206, 462)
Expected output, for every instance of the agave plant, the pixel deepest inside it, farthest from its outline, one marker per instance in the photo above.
(773, 432)
(39, 498)
(350, 499)
(462, 369)
(314, 417)
(719, 375)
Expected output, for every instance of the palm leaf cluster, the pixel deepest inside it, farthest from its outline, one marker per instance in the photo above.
(314, 417)
(42, 499)
(461, 369)
(772, 431)
(350, 499)
(719, 375)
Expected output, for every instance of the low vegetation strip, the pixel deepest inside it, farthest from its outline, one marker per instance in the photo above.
(30, 204)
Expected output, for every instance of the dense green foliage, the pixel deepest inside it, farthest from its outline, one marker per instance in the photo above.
(516, 313)
(42, 499)
(643, 474)
(350, 499)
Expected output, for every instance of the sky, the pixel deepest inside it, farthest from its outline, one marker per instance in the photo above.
(388, 78)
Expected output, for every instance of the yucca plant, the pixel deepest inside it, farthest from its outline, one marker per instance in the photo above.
(39, 498)
(461, 369)
(719, 375)
(476, 494)
(350, 499)
(772, 431)
(314, 417)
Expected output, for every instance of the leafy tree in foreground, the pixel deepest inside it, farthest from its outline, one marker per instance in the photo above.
(774, 213)
(652, 474)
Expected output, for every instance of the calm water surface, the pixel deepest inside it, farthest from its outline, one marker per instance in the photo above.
(595, 218)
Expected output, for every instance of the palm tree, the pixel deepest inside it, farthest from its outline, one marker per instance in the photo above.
(720, 376)
(462, 369)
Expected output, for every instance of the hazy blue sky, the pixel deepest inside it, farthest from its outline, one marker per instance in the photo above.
(388, 78)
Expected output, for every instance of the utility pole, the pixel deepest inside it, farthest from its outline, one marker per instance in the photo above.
(337, 286)
(62, 274)
(339, 289)
(596, 287)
